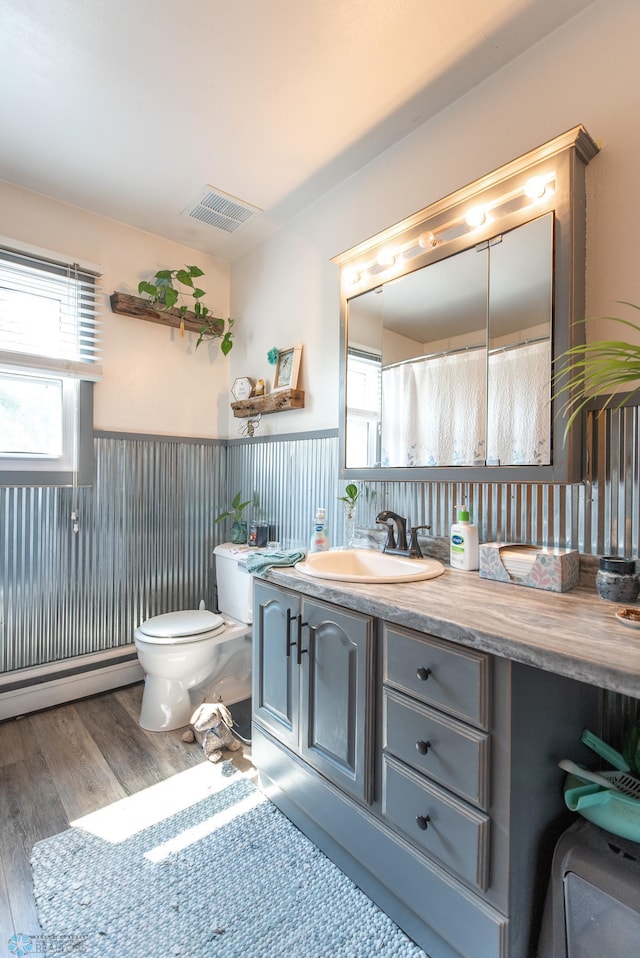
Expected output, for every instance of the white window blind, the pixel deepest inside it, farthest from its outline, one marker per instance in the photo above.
(49, 321)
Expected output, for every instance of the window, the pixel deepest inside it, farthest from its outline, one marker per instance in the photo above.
(49, 360)
(363, 407)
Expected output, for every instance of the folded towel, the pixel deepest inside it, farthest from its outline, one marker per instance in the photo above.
(261, 561)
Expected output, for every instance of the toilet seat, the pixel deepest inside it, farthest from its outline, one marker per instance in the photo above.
(173, 628)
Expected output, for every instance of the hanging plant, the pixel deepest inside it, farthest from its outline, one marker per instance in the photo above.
(175, 289)
(595, 368)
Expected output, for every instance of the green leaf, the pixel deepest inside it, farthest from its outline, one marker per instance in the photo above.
(165, 274)
(198, 293)
(184, 277)
(195, 271)
(170, 298)
(596, 368)
(226, 344)
(147, 288)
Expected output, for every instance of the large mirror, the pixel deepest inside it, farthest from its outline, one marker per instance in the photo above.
(451, 322)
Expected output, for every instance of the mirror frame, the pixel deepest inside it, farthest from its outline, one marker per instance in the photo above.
(562, 160)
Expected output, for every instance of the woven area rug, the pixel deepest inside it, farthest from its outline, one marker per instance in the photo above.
(228, 876)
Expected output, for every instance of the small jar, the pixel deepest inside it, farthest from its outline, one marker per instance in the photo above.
(616, 579)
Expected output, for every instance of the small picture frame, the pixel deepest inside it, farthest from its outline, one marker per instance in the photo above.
(287, 368)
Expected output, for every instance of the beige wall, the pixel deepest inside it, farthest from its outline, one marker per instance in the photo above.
(154, 381)
(286, 291)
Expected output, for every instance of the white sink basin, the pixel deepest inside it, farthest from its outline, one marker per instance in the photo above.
(368, 565)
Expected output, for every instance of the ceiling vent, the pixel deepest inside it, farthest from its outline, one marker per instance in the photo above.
(221, 211)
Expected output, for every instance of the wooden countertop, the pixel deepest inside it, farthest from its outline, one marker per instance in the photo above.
(572, 633)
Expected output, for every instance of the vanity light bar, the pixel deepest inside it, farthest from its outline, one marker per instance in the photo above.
(535, 189)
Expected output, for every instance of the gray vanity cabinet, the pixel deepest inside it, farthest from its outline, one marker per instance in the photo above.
(435, 768)
(276, 673)
(313, 684)
(426, 769)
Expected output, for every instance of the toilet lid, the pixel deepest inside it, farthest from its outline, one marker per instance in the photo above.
(173, 625)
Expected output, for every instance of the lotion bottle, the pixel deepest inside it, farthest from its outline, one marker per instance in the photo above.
(464, 543)
(320, 536)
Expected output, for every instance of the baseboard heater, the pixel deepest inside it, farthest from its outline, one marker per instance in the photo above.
(43, 686)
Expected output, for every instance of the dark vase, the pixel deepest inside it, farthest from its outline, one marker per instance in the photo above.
(239, 532)
(616, 579)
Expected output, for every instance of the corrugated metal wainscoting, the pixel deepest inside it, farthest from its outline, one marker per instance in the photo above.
(146, 530)
(144, 546)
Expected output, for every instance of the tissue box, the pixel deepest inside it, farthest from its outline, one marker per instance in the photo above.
(556, 570)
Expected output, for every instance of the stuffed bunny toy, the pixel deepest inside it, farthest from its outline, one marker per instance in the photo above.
(211, 726)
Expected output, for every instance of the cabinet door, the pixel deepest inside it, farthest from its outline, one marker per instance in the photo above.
(337, 683)
(275, 667)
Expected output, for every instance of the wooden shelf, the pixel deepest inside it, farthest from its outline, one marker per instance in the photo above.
(139, 308)
(272, 402)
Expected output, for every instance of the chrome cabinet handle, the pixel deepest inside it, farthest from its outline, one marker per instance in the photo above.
(423, 673)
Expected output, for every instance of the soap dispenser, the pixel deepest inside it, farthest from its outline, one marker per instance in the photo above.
(464, 543)
(320, 536)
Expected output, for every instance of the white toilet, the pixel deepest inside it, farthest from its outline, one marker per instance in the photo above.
(199, 656)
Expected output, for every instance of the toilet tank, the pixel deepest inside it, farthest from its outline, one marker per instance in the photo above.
(235, 584)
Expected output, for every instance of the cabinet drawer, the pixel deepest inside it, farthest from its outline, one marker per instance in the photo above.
(442, 674)
(447, 829)
(454, 754)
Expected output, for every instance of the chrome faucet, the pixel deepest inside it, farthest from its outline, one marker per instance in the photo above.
(398, 546)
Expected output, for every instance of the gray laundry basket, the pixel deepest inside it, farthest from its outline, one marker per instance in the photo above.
(592, 908)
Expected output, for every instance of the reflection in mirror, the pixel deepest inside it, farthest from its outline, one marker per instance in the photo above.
(519, 368)
(450, 365)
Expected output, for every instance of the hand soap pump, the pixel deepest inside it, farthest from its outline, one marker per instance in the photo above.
(320, 537)
(464, 543)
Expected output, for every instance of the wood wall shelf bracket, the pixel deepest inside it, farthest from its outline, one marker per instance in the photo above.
(139, 308)
(273, 402)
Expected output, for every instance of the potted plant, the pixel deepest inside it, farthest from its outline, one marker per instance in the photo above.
(350, 499)
(164, 294)
(239, 525)
(593, 368)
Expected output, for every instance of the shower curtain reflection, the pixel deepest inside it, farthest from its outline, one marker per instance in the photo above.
(434, 410)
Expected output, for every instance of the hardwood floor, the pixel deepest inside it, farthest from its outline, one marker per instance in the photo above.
(64, 763)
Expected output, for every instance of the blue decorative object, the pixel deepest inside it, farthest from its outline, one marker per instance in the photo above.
(272, 356)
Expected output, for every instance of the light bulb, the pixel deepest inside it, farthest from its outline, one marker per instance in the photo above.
(476, 216)
(535, 188)
(386, 258)
(427, 240)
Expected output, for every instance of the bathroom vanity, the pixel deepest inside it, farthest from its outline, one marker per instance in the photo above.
(413, 732)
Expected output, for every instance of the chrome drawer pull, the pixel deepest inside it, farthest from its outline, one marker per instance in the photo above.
(422, 821)
(423, 674)
(423, 747)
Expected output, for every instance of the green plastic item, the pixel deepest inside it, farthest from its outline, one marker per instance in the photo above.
(618, 814)
(605, 751)
(631, 748)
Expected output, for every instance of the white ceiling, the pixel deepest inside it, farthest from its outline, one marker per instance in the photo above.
(129, 108)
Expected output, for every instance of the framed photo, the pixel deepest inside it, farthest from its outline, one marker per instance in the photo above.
(287, 368)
